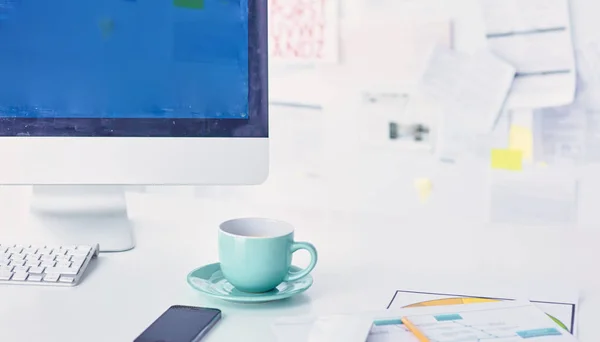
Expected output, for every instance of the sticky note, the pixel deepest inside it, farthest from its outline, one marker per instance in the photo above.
(507, 159)
(195, 4)
(521, 138)
(423, 187)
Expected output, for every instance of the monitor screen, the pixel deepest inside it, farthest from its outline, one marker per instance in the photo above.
(133, 68)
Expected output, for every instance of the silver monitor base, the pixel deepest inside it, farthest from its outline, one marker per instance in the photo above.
(83, 215)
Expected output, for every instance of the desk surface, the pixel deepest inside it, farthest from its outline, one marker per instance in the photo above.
(363, 260)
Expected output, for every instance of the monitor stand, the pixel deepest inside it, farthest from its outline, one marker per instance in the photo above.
(83, 215)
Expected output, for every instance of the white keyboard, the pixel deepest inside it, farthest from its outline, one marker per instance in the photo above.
(44, 265)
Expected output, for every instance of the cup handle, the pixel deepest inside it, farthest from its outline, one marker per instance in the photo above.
(292, 276)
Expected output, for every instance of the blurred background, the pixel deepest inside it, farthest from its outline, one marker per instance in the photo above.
(453, 111)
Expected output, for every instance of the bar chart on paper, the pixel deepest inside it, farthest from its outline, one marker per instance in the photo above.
(456, 301)
(498, 321)
(562, 309)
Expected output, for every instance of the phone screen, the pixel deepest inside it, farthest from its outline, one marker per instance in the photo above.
(180, 324)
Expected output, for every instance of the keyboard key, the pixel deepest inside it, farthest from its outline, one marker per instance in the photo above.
(32, 263)
(77, 264)
(62, 258)
(68, 270)
(84, 248)
(51, 277)
(32, 257)
(15, 250)
(17, 263)
(48, 263)
(5, 275)
(21, 269)
(66, 279)
(17, 257)
(66, 264)
(30, 250)
(36, 270)
(44, 250)
(62, 270)
(20, 276)
(75, 258)
(35, 277)
(47, 257)
(6, 268)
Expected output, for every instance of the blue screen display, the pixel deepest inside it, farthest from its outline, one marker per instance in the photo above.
(133, 68)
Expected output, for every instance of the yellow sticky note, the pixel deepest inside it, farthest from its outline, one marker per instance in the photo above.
(521, 138)
(423, 187)
(507, 159)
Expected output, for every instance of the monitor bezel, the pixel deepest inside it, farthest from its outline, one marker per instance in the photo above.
(255, 126)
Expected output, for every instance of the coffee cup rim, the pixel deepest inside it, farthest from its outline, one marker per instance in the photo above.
(290, 227)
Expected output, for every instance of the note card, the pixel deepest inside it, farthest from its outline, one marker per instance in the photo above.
(423, 187)
(303, 31)
(521, 139)
(507, 159)
(195, 4)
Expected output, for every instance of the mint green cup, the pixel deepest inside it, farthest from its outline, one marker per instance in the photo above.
(256, 253)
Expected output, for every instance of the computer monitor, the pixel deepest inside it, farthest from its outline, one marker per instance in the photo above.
(127, 92)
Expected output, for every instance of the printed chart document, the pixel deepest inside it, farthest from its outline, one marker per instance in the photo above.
(561, 308)
(536, 37)
(465, 92)
(500, 321)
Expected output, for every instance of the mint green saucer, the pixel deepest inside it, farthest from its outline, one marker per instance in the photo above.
(210, 280)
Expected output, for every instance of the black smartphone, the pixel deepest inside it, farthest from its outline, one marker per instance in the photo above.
(181, 324)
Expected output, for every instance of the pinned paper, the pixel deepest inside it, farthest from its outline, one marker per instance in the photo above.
(521, 138)
(423, 187)
(195, 4)
(507, 159)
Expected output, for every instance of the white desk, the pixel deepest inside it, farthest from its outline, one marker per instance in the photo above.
(363, 260)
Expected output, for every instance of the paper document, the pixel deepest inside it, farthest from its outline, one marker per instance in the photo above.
(566, 135)
(388, 325)
(384, 54)
(563, 309)
(466, 92)
(303, 32)
(532, 198)
(536, 37)
(499, 321)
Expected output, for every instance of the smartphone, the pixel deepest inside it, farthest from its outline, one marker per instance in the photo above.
(181, 324)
